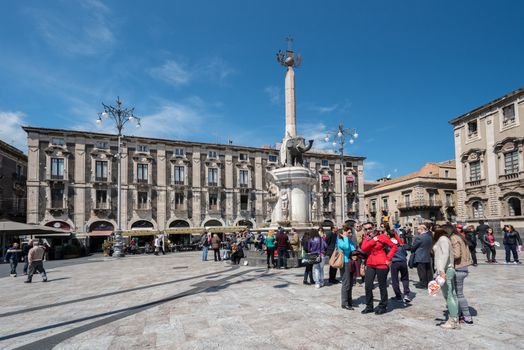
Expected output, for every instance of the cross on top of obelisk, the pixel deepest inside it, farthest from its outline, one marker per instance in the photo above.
(289, 40)
(289, 58)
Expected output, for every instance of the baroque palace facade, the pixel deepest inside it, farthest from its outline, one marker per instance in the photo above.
(489, 152)
(72, 183)
(427, 195)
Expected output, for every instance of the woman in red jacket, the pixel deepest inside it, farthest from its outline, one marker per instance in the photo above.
(377, 264)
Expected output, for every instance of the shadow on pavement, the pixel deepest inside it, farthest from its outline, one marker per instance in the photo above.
(51, 341)
(58, 279)
(41, 307)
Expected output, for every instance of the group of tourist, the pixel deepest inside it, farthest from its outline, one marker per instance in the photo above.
(233, 245)
(441, 252)
(32, 254)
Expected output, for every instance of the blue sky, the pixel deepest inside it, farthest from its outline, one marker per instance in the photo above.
(206, 70)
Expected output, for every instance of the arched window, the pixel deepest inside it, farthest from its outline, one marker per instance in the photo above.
(514, 207)
(478, 210)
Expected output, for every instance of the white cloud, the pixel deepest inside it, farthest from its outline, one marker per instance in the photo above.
(177, 72)
(317, 132)
(323, 109)
(86, 32)
(172, 72)
(217, 70)
(274, 93)
(342, 107)
(11, 131)
(173, 120)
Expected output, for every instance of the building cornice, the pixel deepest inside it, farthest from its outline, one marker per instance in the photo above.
(486, 107)
(178, 143)
(414, 182)
(13, 151)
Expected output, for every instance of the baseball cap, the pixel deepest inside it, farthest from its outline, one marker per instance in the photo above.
(459, 226)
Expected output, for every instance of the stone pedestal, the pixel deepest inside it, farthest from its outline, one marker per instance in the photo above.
(293, 206)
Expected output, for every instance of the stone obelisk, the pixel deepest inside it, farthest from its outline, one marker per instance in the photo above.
(291, 110)
(290, 60)
(292, 205)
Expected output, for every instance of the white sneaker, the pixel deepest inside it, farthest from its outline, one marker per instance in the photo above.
(505, 262)
(407, 299)
(317, 286)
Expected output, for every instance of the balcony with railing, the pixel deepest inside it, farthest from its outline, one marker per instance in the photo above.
(512, 176)
(142, 181)
(57, 206)
(141, 206)
(101, 179)
(101, 207)
(57, 178)
(475, 183)
(419, 204)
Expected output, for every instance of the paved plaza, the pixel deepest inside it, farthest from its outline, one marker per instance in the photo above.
(177, 301)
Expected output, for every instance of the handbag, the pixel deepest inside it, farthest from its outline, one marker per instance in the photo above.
(411, 261)
(337, 259)
(362, 270)
(313, 258)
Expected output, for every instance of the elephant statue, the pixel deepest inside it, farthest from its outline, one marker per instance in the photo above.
(296, 147)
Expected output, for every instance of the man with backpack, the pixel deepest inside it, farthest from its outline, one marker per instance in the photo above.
(399, 265)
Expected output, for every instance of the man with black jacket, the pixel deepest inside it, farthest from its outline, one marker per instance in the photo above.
(422, 250)
(471, 239)
(282, 247)
(331, 239)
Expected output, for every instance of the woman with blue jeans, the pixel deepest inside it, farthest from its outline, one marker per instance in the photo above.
(462, 258)
(346, 246)
(318, 246)
(444, 265)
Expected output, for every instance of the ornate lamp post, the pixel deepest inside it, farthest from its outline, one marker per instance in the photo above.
(338, 138)
(120, 116)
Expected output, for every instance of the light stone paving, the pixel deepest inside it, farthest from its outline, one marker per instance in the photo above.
(178, 302)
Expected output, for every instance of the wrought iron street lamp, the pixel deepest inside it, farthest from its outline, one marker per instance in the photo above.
(120, 117)
(338, 138)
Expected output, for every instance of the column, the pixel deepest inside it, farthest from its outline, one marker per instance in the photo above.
(161, 189)
(197, 188)
(228, 173)
(491, 170)
(125, 184)
(79, 216)
(361, 201)
(259, 190)
(338, 195)
(291, 120)
(33, 179)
